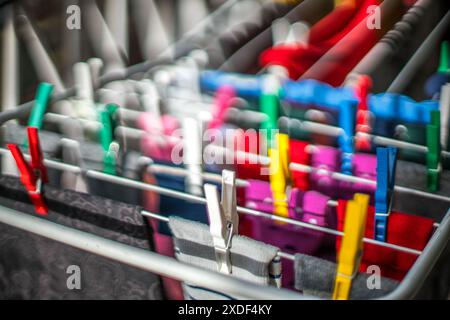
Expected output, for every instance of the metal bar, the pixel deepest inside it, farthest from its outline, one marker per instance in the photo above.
(430, 44)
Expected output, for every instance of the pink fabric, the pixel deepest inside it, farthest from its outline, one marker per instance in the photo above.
(163, 244)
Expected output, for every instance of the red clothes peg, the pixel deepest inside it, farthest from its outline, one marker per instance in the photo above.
(32, 176)
(363, 115)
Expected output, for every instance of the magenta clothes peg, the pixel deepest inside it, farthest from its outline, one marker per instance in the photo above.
(224, 98)
(328, 159)
(364, 166)
(310, 207)
(258, 196)
(157, 143)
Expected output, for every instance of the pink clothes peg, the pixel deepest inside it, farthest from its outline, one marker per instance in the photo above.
(327, 158)
(157, 143)
(224, 98)
(364, 166)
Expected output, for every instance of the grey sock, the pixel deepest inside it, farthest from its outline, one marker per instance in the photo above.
(251, 260)
(315, 276)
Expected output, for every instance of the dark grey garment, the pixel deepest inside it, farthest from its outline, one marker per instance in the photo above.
(34, 267)
(315, 277)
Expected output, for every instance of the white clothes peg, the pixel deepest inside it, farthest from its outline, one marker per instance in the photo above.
(71, 154)
(444, 106)
(223, 219)
(192, 155)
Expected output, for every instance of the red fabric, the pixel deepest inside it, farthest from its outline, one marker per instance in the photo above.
(323, 36)
(298, 154)
(403, 229)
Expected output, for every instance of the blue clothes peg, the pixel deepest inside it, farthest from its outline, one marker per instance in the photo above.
(386, 165)
(384, 106)
(345, 140)
(246, 85)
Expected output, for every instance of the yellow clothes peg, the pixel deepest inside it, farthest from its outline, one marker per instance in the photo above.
(279, 173)
(351, 246)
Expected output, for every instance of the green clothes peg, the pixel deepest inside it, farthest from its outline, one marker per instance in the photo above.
(444, 64)
(269, 105)
(434, 151)
(106, 136)
(43, 94)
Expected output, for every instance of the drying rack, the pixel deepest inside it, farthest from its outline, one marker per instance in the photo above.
(435, 255)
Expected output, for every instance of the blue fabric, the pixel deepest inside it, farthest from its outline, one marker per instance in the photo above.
(171, 206)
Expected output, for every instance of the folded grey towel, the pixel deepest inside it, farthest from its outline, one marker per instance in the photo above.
(315, 276)
(251, 260)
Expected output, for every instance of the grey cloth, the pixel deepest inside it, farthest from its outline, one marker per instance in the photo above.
(34, 267)
(414, 176)
(251, 260)
(315, 277)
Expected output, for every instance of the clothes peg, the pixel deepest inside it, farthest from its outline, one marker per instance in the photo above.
(442, 76)
(71, 154)
(40, 105)
(223, 219)
(106, 137)
(269, 104)
(83, 104)
(444, 107)
(434, 151)
(386, 165)
(192, 155)
(222, 102)
(352, 244)
(283, 33)
(345, 140)
(363, 115)
(279, 173)
(32, 176)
